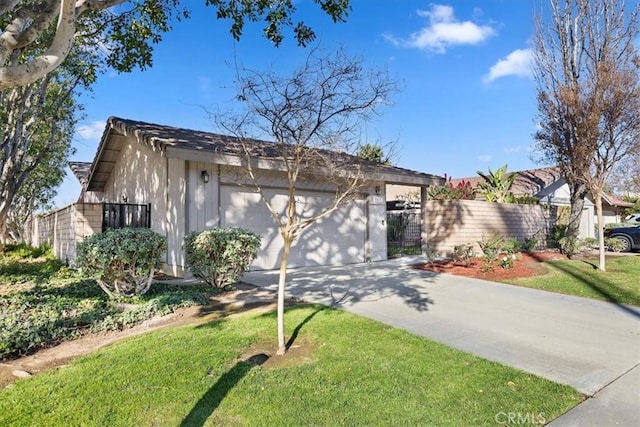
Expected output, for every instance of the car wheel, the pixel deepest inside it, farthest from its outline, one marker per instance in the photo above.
(626, 243)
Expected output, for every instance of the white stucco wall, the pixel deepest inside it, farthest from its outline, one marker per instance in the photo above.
(203, 201)
(181, 202)
(140, 176)
(175, 219)
(377, 227)
(231, 193)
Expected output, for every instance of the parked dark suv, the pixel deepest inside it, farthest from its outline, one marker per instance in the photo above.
(629, 236)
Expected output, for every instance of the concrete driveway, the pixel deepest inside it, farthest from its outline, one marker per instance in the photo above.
(584, 343)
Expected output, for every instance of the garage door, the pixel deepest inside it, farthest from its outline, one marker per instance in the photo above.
(337, 239)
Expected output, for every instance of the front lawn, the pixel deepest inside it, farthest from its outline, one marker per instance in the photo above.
(619, 284)
(342, 370)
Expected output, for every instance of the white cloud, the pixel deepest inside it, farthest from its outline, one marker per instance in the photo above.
(443, 31)
(512, 149)
(485, 158)
(92, 131)
(517, 63)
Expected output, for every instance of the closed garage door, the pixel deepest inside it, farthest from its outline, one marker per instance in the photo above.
(337, 239)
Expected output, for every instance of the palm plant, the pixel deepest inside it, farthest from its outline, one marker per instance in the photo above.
(497, 185)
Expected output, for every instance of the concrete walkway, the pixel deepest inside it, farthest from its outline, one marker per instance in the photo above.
(593, 346)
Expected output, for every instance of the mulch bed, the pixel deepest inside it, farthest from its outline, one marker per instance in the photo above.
(526, 264)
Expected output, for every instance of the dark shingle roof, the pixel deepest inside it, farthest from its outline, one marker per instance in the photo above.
(162, 137)
(81, 170)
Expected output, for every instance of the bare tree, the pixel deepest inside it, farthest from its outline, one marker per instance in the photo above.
(313, 117)
(586, 68)
(624, 180)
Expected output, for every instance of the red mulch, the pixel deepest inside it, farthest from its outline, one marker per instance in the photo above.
(527, 264)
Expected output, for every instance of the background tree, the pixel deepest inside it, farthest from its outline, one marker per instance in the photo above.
(586, 68)
(37, 36)
(313, 117)
(374, 153)
(636, 205)
(38, 190)
(36, 127)
(624, 179)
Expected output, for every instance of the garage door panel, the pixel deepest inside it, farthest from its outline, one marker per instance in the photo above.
(336, 239)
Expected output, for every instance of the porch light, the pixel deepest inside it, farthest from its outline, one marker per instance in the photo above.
(377, 190)
(204, 176)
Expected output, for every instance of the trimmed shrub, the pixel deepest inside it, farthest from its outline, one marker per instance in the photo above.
(219, 256)
(122, 261)
(613, 244)
(618, 224)
(589, 243)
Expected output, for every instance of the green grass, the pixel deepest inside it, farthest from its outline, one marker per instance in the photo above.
(350, 371)
(619, 284)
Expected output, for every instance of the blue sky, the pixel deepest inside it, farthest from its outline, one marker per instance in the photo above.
(467, 101)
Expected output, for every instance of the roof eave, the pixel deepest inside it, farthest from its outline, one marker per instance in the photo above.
(371, 174)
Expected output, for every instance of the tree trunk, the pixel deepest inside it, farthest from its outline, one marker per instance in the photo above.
(4, 209)
(577, 194)
(282, 348)
(601, 263)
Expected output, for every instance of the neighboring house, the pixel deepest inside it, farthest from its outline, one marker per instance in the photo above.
(194, 180)
(548, 185)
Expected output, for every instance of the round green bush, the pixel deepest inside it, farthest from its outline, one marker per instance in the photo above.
(122, 261)
(219, 256)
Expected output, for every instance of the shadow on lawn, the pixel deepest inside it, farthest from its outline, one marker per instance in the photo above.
(298, 328)
(601, 286)
(214, 396)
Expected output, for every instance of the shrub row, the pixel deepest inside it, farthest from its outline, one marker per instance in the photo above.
(123, 261)
(64, 304)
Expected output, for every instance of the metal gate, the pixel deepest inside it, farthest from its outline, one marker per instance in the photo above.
(404, 233)
(125, 215)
